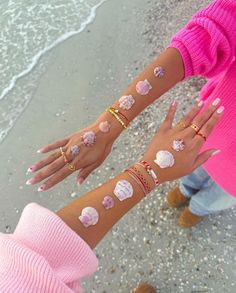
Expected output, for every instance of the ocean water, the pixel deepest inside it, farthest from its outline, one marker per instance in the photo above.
(29, 30)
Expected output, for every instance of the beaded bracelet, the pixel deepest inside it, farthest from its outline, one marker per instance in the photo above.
(134, 176)
(141, 180)
(116, 115)
(150, 171)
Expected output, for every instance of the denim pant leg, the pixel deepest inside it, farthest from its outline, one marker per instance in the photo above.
(206, 196)
(189, 185)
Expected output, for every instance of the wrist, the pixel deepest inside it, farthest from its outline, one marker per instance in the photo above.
(115, 129)
(149, 179)
(157, 170)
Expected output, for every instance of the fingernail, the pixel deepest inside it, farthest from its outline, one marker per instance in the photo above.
(30, 169)
(80, 180)
(173, 103)
(215, 152)
(30, 181)
(39, 151)
(220, 110)
(216, 102)
(42, 187)
(200, 104)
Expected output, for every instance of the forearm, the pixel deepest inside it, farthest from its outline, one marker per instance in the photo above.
(171, 61)
(107, 217)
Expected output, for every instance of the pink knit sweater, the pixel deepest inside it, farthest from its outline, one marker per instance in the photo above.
(44, 254)
(207, 45)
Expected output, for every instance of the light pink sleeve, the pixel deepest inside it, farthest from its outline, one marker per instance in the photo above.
(207, 42)
(43, 255)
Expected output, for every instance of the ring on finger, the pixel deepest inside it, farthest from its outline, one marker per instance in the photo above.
(202, 135)
(71, 167)
(182, 125)
(194, 127)
(63, 154)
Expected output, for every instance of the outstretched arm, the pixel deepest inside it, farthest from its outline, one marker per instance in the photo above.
(94, 214)
(205, 46)
(44, 253)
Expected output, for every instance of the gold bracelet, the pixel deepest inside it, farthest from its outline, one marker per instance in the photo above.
(114, 114)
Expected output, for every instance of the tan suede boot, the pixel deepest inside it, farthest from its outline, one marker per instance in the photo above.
(144, 288)
(176, 199)
(187, 219)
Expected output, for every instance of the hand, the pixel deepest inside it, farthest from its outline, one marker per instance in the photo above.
(62, 162)
(188, 159)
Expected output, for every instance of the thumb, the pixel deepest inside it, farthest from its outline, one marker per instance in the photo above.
(84, 173)
(204, 156)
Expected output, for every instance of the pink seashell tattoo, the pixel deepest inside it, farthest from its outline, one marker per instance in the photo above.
(89, 138)
(108, 202)
(75, 150)
(89, 217)
(178, 145)
(104, 126)
(126, 102)
(159, 71)
(143, 87)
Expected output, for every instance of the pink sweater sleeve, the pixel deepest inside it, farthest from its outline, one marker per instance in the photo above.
(43, 255)
(207, 42)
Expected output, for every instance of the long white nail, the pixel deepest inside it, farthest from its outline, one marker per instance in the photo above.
(215, 152)
(80, 180)
(30, 181)
(41, 188)
(220, 110)
(200, 104)
(216, 102)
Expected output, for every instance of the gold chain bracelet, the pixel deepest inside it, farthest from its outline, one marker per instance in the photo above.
(116, 115)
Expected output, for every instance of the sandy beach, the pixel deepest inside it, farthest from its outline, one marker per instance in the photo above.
(84, 75)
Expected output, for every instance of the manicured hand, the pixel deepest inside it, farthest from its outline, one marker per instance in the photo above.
(188, 137)
(75, 152)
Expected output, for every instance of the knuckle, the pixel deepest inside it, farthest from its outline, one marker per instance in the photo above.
(207, 128)
(215, 118)
(38, 177)
(53, 167)
(208, 112)
(41, 163)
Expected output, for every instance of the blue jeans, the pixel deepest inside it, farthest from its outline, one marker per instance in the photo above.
(206, 197)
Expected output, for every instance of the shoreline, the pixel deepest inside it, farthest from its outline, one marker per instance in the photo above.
(36, 63)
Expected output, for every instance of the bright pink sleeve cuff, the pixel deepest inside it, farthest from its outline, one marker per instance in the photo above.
(207, 43)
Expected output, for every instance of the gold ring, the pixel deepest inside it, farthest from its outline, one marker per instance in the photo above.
(202, 135)
(71, 167)
(63, 154)
(194, 127)
(182, 125)
(61, 150)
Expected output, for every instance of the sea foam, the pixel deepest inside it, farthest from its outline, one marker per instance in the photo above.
(28, 32)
